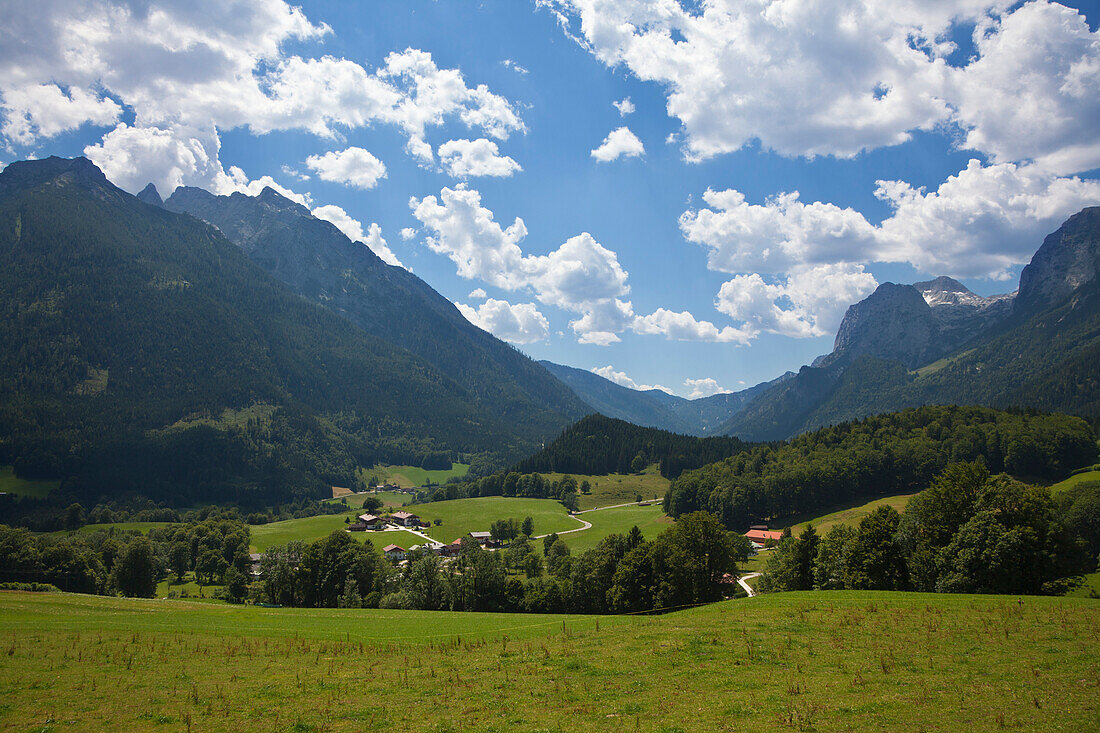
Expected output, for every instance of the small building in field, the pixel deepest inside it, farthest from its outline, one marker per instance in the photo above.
(371, 522)
(393, 552)
(406, 519)
(481, 537)
(358, 526)
(763, 536)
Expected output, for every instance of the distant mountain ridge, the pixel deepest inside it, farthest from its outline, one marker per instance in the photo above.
(318, 261)
(935, 342)
(656, 408)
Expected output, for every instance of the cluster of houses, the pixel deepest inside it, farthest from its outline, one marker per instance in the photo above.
(398, 553)
(374, 523)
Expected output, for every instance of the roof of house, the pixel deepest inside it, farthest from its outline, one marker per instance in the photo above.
(457, 542)
(368, 518)
(403, 515)
(764, 534)
(391, 548)
(481, 535)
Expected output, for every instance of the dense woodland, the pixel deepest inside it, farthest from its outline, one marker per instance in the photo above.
(145, 354)
(602, 445)
(969, 532)
(887, 454)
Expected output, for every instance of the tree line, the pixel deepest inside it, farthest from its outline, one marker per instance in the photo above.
(887, 454)
(691, 562)
(109, 562)
(509, 483)
(968, 532)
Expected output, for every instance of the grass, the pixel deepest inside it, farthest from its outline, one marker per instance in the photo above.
(795, 661)
(461, 516)
(618, 488)
(1089, 589)
(309, 529)
(851, 515)
(35, 488)
(188, 585)
(939, 364)
(1074, 480)
(650, 519)
(389, 499)
(408, 477)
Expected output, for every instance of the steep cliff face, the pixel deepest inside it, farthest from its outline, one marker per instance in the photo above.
(1068, 260)
(894, 322)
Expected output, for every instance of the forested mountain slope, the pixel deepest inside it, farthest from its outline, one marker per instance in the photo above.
(145, 353)
(318, 261)
(887, 454)
(907, 346)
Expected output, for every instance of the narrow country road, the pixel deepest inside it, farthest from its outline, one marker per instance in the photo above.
(742, 581)
(587, 525)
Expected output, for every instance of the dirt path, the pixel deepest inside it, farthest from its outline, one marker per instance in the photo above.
(742, 581)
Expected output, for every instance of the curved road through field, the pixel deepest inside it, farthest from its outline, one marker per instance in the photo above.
(743, 582)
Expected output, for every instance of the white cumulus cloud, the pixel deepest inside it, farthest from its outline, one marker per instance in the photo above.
(704, 388)
(625, 106)
(622, 379)
(619, 143)
(470, 158)
(520, 323)
(354, 167)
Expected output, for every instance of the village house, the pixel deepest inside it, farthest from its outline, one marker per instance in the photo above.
(760, 535)
(372, 522)
(406, 519)
(393, 552)
(481, 537)
(357, 526)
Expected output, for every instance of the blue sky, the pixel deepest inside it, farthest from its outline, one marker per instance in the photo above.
(776, 161)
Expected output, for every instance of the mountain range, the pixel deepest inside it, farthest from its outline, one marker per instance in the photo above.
(238, 347)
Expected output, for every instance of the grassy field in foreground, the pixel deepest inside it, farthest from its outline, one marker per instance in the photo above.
(408, 477)
(12, 484)
(851, 515)
(650, 519)
(475, 515)
(797, 661)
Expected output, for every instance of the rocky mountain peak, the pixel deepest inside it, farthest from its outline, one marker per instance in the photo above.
(946, 291)
(1068, 260)
(894, 322)
(151, 196)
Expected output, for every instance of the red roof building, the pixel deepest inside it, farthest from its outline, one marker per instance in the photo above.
(763, 535)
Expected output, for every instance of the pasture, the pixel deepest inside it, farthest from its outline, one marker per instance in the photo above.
(308, 529)
(617, 488)
(651, 520)
(851, 515)
(1089, 476)
(408, 477)
(12, 484)
(461, 516)
(795, 661)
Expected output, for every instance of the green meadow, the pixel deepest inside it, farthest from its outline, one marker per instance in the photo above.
(822, 661)
(1075, 479)
(408, 477)
(651, 520)
(461, 516)
(851, 515)
(618, 488)
(309, 529)
(12, 484)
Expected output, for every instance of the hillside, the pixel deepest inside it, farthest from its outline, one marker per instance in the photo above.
(888, 454)
(602, 445)
(319, 262)
(937, 343)
(145, 353)
(790, 661)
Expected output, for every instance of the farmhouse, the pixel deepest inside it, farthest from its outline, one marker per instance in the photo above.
(371, 522)
(393, 552)
(358, 526)
(406, 519)
(761, 536)
(452, 549)
(481, 537)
